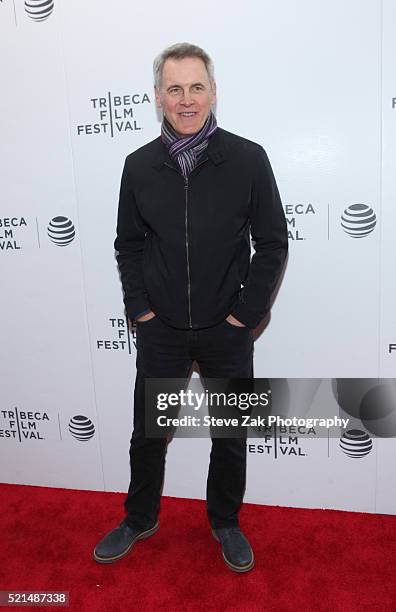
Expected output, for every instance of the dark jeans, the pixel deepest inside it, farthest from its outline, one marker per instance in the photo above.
(222, 351)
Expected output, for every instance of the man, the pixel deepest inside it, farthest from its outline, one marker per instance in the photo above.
(188, 203)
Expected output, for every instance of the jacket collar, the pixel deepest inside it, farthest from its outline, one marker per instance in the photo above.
(216, 151)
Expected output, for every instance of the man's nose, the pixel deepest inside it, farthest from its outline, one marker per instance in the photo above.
(186, 99)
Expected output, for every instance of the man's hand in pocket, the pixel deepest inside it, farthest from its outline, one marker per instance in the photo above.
(147, 316)
(233, 321)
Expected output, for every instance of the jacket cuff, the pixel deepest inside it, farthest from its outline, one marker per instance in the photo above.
(137, 308)
(142, 313)
(245, 316)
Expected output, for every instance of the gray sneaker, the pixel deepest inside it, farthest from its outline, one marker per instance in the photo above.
(237, 552)
(118, 542)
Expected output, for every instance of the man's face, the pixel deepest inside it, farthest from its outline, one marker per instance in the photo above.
(185, 94)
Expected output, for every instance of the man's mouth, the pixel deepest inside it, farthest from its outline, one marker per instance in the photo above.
(189, 114)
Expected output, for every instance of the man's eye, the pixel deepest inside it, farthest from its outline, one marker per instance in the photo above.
(174, 90)
(198, 87)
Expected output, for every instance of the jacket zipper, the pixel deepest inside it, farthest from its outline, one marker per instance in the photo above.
(186, 219)
(188, 261)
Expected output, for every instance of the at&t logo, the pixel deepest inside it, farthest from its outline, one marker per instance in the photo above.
(358, 220)
(356, 443)
(81, 428)
(39, 10)
(61, 231)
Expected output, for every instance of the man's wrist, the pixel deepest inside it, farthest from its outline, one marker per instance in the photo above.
(142, 313)
(234, 321)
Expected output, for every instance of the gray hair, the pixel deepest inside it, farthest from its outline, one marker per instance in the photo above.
(180, 51)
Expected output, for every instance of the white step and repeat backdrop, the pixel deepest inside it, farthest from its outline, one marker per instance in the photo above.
(313, 82)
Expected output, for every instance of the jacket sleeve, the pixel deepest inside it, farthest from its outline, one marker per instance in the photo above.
(269, 231)
(129, 244)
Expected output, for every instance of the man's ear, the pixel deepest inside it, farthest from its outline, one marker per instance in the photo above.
(213, 93)
(157, 97)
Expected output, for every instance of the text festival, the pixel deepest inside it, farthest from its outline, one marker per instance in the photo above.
(115, 114)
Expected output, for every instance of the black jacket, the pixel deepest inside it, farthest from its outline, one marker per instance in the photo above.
(184, 246)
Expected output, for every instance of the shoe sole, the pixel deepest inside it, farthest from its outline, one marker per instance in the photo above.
(141, 536)
(236, 568)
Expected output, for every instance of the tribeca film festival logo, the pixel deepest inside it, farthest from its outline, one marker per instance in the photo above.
(295, 215)
(21, 425)
(358, 220)
(285, 441)
(303, 221)
(121, 336)
(11, 229)
(114, 114)
(24, 424)
(281, 441)
(15, 232)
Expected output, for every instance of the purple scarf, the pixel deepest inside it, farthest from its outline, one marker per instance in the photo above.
(187, 151)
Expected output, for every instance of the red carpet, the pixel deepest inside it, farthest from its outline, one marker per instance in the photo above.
(319, 560)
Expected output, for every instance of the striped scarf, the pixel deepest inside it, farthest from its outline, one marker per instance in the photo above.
(187, 151)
